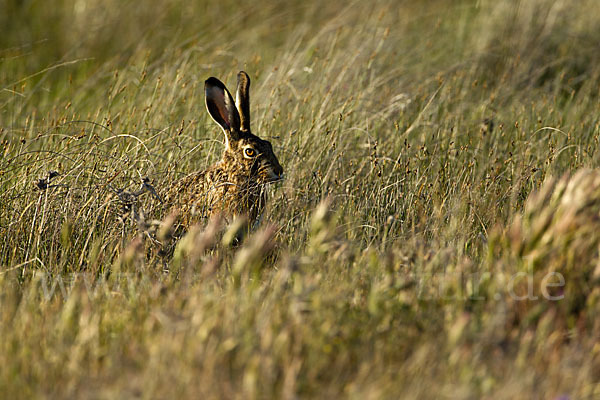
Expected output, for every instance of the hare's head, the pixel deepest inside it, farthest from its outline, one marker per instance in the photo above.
(246, 155)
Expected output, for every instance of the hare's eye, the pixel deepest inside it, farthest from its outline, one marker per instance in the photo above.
(249, 152)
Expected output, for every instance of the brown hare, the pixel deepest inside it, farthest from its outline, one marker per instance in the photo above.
(235, 185)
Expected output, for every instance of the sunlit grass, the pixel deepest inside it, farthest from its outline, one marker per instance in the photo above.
(425, 147)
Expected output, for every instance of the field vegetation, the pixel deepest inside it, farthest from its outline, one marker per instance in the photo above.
(436, 234)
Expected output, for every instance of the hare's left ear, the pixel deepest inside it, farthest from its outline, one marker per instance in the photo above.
(221, 108)
(242, 100)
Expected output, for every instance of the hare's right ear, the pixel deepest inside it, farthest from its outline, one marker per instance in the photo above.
(221, 107)
(242, 100)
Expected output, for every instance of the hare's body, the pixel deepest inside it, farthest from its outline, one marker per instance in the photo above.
(214, 190)
(234, 185)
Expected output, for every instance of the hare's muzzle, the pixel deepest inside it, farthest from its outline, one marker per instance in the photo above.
(276, 173)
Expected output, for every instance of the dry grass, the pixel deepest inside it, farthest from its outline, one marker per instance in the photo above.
(435, 237)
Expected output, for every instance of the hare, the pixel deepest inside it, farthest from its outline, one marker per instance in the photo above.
(234, 185)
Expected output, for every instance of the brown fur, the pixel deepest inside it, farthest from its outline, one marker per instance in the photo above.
(235, 185)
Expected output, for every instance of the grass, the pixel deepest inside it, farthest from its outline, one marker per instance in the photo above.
(436, 235)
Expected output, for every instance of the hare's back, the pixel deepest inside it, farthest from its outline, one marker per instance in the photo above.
(187, 194)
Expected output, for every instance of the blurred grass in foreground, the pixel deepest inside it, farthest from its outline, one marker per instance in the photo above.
(397, 257)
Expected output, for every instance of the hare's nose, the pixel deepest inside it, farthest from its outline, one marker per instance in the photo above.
(279, 171)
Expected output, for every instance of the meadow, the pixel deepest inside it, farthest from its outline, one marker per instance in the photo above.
(436, 234)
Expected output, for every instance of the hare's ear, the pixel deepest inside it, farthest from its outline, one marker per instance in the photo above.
(242, 100)
(221, 107)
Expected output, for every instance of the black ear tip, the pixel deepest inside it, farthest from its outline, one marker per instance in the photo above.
(242, 75)
(212, 81)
